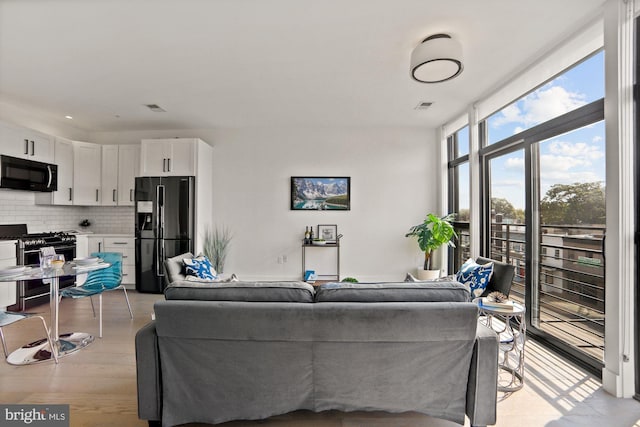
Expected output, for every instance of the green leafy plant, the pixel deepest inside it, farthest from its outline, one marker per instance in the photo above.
(216, 246)
(350, 280)
(432, 233)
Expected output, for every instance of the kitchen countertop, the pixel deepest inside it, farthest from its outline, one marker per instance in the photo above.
(91, 234)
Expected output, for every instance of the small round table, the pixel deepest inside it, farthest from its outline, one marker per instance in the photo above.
(511, 328)
(64, 344)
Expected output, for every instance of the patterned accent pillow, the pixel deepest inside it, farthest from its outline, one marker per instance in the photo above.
(475, 276)
(199, 267)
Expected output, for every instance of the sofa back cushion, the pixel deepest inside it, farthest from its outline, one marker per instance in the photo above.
(240, 291)
(393, 292)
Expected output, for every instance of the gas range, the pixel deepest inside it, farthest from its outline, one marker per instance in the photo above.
(35, 241)
(52, 238)
(34, 292)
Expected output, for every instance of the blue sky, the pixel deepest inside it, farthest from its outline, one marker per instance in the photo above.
(578, 156)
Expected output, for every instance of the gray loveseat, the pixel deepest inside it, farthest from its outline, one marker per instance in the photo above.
(250, 350)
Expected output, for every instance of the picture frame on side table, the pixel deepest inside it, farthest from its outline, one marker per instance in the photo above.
(328, 232)
(320, 193)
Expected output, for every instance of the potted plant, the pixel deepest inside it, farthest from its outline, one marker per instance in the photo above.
(432, 233)
(216, 246)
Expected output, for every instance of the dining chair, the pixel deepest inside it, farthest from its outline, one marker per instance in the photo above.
(7, 318)
(100, 281)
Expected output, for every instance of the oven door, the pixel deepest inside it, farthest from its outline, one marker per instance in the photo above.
(34, 292)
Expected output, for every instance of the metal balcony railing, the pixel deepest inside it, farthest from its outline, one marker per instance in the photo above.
(568, 300)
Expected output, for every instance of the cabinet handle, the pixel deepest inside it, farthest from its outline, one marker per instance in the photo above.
(119, 243)
(99, 246)
(33, 148)
(131, 194)
(97, 195)
(70, 194)
(168, 165)
(124, 257)
(114, 194)
(164, 165)
(26, 146)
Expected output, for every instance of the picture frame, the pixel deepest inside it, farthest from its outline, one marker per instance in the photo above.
(328, 232)
(319, 193)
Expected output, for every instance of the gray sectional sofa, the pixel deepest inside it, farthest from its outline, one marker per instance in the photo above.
(250, 350)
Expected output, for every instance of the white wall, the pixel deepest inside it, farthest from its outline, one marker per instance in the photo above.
(393, 173)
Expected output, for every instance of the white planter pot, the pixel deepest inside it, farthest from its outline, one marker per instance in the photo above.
(428, 274)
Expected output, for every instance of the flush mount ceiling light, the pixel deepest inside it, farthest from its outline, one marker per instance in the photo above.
(437, 59)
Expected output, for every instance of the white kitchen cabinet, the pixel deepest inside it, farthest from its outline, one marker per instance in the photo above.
(82, 251)
(94, 244)
(63, 157)
(168, 157)
(128, 167)
(87, 173)
(26, 143)
(109, 179)
(7, 259)
(40, 146)
(126, 246)
(115, 243)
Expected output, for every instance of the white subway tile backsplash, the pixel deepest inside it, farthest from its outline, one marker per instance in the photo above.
(18, 207)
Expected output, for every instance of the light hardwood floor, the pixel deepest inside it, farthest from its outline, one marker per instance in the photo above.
(99, 381)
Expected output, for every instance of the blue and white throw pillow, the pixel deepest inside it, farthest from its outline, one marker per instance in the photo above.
(475, 276)
(199, 267)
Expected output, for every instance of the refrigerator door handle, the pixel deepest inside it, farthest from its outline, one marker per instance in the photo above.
(160, 192)
(160, 260)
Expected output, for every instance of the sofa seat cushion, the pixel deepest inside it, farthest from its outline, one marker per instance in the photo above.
(447, 291)
(240, 291)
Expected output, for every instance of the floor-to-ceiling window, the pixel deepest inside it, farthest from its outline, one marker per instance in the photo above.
(543, 187)
(459, 193)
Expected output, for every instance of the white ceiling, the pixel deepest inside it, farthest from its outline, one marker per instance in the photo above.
(246, 63)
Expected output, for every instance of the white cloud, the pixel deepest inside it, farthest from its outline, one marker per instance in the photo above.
(514, 163)
(545, 103)
(550, 163)
(580, 150)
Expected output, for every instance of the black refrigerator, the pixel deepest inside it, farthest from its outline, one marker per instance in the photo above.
(165, 226)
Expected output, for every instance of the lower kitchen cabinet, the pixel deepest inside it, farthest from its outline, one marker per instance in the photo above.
(117, 243)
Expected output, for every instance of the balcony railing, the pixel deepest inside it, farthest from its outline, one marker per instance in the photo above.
(568, 300)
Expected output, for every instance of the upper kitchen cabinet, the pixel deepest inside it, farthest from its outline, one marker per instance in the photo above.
(87, 173)
(109, 175)
(63, 157)
(169, 157)
(26, 143)
(128, 169)
(120, 165)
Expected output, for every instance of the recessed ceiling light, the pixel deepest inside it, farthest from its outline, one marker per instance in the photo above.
(68, 117)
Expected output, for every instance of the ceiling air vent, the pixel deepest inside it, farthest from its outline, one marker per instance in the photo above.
(423, 105)
(155, 108)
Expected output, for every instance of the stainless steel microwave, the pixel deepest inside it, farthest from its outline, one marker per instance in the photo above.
(23, 174)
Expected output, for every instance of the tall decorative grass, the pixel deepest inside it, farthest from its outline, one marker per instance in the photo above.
(216, 246)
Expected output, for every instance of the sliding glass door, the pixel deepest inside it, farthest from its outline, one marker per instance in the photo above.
(543, 189)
